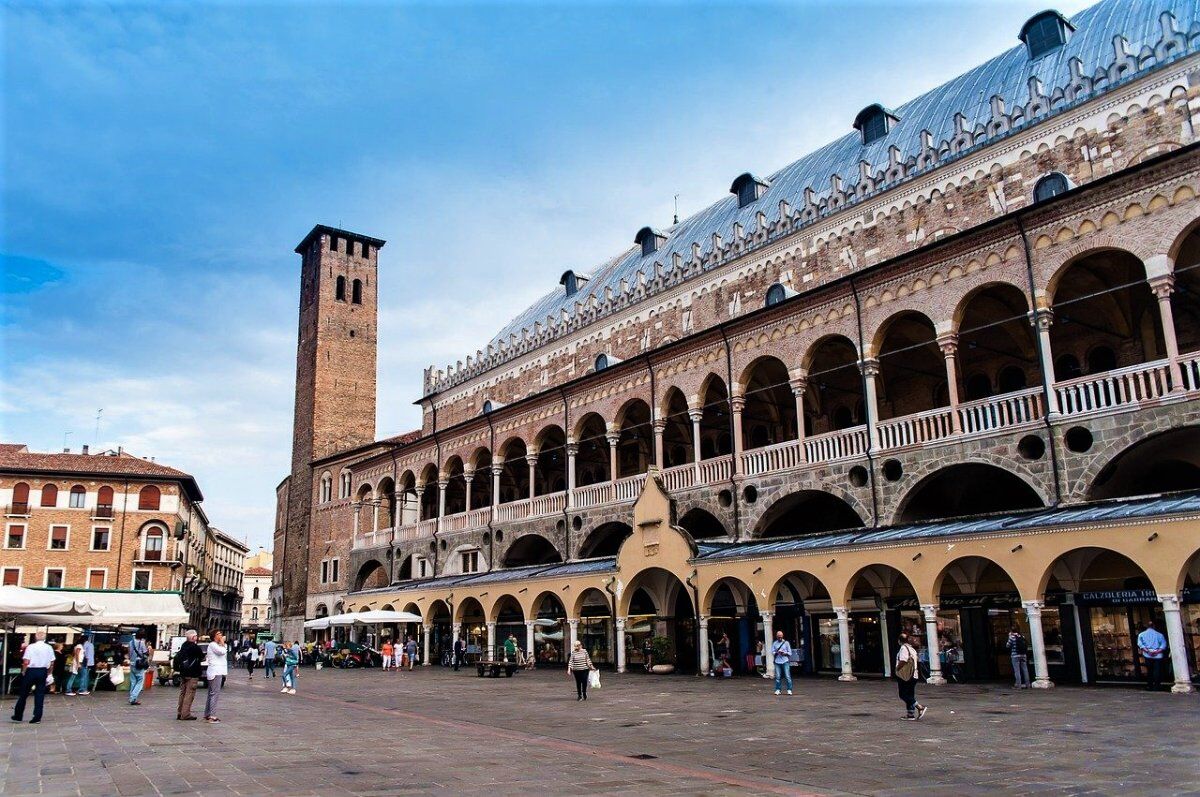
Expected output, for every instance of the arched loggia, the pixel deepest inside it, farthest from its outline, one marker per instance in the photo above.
(1163, 463)
(972, 488)
(807, 512)
(531, 549)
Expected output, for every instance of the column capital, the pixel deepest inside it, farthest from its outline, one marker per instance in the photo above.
(572, 448)
(1042, 318)
(498, 469)
(869, 367)
(930, 611)
(443, 484)
(842, 612)
(573, 622)
(1162, 286)
(660, 425)
(737, 403)
(530, 623)
(704, 620)
(799, 384)
(531, 459)
(696, 414)
(490, 623)
(1033, 607)
(620, 622)
(468, 476)
(427, 626)
(1170, 603)
(767, 615)
(613, 438)
(948, 343)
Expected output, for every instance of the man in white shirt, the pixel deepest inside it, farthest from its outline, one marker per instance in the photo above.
(36, 663)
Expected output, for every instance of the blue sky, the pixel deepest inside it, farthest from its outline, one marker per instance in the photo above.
(160, 162)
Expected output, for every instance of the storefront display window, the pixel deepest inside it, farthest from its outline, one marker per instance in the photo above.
(594, 633)
(829, 650)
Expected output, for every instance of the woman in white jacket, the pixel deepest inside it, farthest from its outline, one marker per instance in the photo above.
(218, 668)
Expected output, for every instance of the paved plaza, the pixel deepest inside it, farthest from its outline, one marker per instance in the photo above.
(435, 731)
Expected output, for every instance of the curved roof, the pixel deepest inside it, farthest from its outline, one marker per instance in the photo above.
(1007, 75)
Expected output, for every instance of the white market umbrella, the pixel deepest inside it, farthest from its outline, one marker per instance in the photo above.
(319, 624)
(40, 607)
(383, 617)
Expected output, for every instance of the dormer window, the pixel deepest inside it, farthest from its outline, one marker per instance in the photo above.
(874, 122)
(572, 282)
(1045, 32)
(649, 240)
(1050, 186)
(748, 189)
(778, 293)
(490, 406)
(605, 361)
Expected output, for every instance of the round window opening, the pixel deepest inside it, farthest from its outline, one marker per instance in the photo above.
(1031, 447)
(750, 494)
(1079, 439)
(893, 470)
(858, 476)
(725, 498)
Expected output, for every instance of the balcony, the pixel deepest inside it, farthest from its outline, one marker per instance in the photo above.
(18, 509)
(1122, 390)
(103, 512)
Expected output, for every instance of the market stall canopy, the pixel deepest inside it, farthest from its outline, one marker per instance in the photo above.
(319, 624)
(375, 617)
(120, 608)
(28, 604)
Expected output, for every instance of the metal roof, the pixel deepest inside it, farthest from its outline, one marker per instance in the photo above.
(1008, 76)
(581, 567)
(1126, 509)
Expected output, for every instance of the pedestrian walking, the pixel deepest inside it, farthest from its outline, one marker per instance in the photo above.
(388, 651)
(648, 654)
(36, 662)
(269, 650)
(580, 665)
(89, 661)
(1018, 653)
(723, 655)
(251, 661)
(410, 649)
(906, 677)
(291, 660)
(299, 653)
(139, 662)
(189, 663)
(781, 654)
(58, 674)
(510, 648)
(76, 666)
(460, 652)
(1152, 645)
(218, 668)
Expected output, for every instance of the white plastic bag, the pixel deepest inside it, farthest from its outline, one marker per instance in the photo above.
(594, 679)
(117, 675)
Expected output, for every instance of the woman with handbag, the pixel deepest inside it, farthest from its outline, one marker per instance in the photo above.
(139, 663)
(580, 665)
(218, 668)
(906, 678)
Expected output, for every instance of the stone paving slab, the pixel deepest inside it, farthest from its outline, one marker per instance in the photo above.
(435, 731)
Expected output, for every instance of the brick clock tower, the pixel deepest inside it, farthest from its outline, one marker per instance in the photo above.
(335, 387)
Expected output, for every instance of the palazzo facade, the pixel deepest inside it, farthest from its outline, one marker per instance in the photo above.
(942, 374)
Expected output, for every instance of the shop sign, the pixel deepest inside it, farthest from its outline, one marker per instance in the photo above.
(1118, 596)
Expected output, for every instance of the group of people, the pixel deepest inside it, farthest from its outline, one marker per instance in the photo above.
(398, 654)
(211, 663)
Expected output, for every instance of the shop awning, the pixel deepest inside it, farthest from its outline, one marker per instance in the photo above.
(120, 607)
(374, 617)
(27, 605)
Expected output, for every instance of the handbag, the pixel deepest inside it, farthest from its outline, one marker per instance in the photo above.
(594, 679)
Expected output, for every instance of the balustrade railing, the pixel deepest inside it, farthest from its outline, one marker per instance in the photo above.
(592, 495)
(426, 528)
(836, 445)
(1123, 387)
(1001, 412)
(629, 488)
(513, 510)
(1189, 366)
(781, 456)
(911, 430)
(456, 522)
(680, 477)
(549, 504)
(717, 469)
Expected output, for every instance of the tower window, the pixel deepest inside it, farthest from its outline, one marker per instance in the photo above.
(777, 293)
(1050, 186)
(356, 292)
(333, 243)
(874, 122)
(340, 292)
(1045, 32)
(748, 189)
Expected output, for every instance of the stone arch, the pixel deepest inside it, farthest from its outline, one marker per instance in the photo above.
(743, 594)
(1093, 568)
(437, 609)
(997, 350)
(428, 483)
(1185, 296)
(912, 368)
(807, 512)
(505, 602)
(585, 596)
(806, 584)
(371, 575)
(662, 586)
(883, 580)
(454, 474)
(514, 476)
(1177, 243)
(531, 549)
(769, 411)
(974, 574)
(635, 444)
(592, 462)
(550, 475)
(1164, 461)
(605, 540)
(967, 488)
(833, 394)
(678, 444)
(469, 608)
(1189, 573)
(702, 524)
(481, 481)
(716, 433)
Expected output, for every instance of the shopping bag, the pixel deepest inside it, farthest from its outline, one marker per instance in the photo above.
(116, 675)
(594, 679)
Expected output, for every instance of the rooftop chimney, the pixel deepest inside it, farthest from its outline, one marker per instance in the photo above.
(66, 449)
(85, 448)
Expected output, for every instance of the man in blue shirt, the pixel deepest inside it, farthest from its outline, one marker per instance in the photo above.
(269, 651)
(89, 661)
(781, 654)
(1152, 645)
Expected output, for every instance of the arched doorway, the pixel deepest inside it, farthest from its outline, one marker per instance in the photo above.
(532, 549)
(550, 631)
(678, 448)
(660, 607)
(1163, 463)
(912, 369)
(800, 602)
(997, 352)
(441, 641)
(882, 604)
(972, 488)
(702, 525)
(807, 512)
(734, 628)
(551, 473)
(978, 604)
(605, 540)
(510, 622)
(596, 626)
(833, 396)
(1105, 316)
(635, 449)
(592, 461)
(769, 415)
(716, 435)
(1100, 600)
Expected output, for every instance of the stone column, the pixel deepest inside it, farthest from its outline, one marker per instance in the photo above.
(1042, 320)
(357, 509)
(620, 644)
(870, 371)
(574, 623)
(1177, 643)
(1041, 670)
(887, 644)
(948, 343)
(491, 636)
(843, 618)
(660, 427)
(697, 415)
(736, 405)
(531, 460)
(572, 452)
(768, 638)
(374, 517)
(613, 439)
(705, 664)
(497, 470)
(1163, 287)
(442, 485)
(455, 632)
(468, 477)
(529, 640)
(931, 645)
(799, 386)
(427, 632)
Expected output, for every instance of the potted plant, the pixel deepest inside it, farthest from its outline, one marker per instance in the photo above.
(664, 655)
